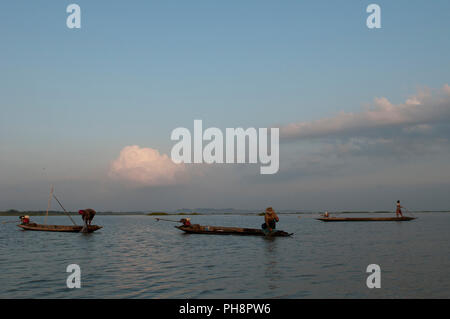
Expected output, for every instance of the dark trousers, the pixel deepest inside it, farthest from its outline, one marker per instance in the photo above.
(272, 225)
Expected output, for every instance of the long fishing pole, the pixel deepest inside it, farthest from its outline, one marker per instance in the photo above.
(167, 220)
(310, 216)
(10, 221)
(64, 210)
(54, 196)
(49, 203)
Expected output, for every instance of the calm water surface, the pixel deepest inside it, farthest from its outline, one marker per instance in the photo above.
(137, 257)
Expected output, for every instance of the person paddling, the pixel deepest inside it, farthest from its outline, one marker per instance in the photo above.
(270, 219)
(399, 209)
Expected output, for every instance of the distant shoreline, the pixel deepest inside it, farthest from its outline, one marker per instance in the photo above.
(61, 213)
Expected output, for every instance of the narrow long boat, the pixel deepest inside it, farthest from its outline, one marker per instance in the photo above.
(58, 228)
(366, 219)
(220, 230)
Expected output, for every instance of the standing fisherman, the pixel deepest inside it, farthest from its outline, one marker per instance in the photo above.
(270, 219)
(399, 209)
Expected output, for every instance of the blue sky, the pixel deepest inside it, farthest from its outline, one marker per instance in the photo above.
(71, 100)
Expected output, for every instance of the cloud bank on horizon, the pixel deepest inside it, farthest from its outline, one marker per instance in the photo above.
(384, 129)
(416, 114)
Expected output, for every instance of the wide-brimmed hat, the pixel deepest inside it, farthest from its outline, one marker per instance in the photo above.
(269, 209)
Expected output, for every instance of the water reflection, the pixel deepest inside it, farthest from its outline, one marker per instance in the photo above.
(132, 256)
(271, 253)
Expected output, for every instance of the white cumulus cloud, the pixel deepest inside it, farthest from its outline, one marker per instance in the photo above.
(146, 167)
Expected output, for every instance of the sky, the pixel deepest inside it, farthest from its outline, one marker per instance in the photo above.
(363, 113)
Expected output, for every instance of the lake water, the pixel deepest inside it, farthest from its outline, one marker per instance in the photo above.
(137, 257)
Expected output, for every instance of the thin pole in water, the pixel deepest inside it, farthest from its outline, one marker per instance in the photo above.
(408, 211)
(64, 210)
(49, 203)
(10, 221)
(167, 220)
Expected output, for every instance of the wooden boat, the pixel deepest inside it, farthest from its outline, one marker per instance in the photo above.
(58, 228)
(366, 219)
(220, 230)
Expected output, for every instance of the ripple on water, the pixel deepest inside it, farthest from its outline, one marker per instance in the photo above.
(135, 257)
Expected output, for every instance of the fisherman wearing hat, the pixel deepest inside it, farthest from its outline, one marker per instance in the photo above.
(186, 222)
(25, 219)
(270, 219)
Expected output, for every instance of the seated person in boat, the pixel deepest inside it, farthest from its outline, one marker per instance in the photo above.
(270, 219)
(399, 210)
(186, 222)
(25, 219)
(87, 215)
(326, 215)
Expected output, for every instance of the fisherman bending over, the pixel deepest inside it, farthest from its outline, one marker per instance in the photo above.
(270, 219)
(87, 215)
